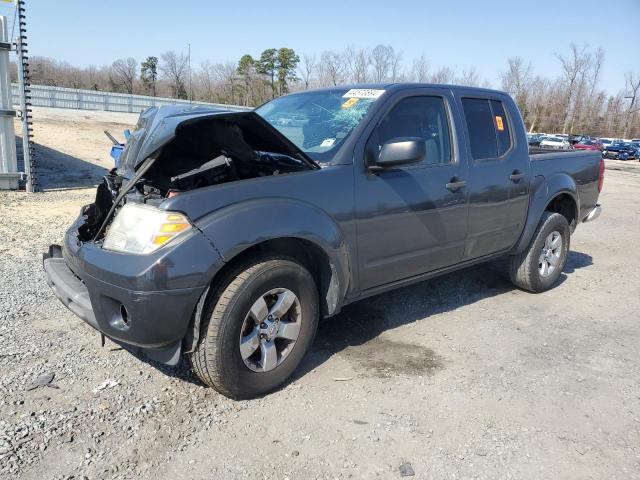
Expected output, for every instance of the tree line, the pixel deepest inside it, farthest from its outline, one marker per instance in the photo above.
(571, 102)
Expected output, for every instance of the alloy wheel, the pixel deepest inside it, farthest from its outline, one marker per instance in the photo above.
(270, 330)
(550, 255)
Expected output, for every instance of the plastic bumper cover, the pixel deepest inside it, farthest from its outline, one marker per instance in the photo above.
(141, 302)
(593, 214)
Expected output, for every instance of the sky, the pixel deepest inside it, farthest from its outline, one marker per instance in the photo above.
(456, 33)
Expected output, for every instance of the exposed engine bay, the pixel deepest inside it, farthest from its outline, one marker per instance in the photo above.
(204, 152)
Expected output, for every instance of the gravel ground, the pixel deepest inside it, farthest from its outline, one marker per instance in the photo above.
(457, 377)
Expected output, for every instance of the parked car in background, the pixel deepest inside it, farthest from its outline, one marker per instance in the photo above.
(555, 142)
(636, 145)
(620, 151)
(608, 141)
(575, 139)
(534, 139)
(589, 144)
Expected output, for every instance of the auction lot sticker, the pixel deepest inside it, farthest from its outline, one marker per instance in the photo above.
(363, 93)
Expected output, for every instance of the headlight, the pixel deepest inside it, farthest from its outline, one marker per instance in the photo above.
(143, 229)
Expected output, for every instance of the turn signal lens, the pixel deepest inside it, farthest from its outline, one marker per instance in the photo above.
(173, 227)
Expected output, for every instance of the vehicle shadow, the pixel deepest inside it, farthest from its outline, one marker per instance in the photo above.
(58, 170)
(362, 322)
(577, 260)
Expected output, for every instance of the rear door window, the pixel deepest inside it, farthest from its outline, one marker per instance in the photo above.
(488, 128)
(502, 127)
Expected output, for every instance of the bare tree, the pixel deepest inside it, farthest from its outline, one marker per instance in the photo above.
(206, 81)
(571, 102)
(536, 99)
(443, 75)
(632, 87)
(382, 57)
(214, 82)
(306, 68)
(594, 99)
(598, 62)
(469, 77)
(226, 73)
(331, 69)
(420, 69)
(574, 68)
(174, 68)
(517, 81)
(124, 72)
(396, 66)
(358, 62)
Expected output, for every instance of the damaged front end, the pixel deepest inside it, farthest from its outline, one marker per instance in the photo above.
(113, 269)
(175, 150)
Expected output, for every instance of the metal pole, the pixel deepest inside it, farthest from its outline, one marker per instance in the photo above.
(9, 175)
(26, 146)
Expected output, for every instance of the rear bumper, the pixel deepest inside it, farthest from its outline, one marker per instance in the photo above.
(142, 302)
(593, 214)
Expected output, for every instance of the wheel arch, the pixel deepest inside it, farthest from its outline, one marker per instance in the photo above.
(309, 254)
(280, 227)
(556, 194)
(301, 250)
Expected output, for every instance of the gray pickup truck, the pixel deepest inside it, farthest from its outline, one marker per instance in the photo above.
(228, 235)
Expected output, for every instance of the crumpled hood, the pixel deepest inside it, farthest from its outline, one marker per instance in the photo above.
(157, 126)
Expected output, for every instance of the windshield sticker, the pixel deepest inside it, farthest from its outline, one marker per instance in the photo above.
(328, 142)
(499, 123)
(350, 102)
(363, 93)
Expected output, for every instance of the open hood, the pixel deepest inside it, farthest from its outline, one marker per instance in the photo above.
(157, 126)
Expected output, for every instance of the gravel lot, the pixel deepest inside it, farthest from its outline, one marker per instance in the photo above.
(457, 377)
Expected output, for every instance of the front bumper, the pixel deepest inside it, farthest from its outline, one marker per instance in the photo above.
(69, 289)
(142, 302)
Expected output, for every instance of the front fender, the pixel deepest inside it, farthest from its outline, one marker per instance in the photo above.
(235, 228)
(543, 191)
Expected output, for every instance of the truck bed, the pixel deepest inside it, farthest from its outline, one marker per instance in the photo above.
(582, 166)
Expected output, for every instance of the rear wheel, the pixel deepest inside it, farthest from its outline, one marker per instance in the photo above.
(258, 329)
(538, 268)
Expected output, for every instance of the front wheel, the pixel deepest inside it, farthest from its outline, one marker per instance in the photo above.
(258, 329)
(538, 268)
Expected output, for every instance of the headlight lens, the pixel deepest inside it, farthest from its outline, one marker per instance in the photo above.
(143, 229)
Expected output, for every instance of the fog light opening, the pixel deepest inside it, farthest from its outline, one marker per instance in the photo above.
(124, 314)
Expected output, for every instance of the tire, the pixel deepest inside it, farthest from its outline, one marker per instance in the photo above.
(526, 269)
(229, 318)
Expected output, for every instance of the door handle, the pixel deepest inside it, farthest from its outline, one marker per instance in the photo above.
(516, 176)
(454, 185)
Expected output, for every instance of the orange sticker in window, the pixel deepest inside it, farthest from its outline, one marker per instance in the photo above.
(350, 103)
(499, 123)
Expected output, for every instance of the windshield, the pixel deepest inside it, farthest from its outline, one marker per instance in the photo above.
(319, 122)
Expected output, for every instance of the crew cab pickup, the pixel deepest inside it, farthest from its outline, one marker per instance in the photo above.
(228, 235)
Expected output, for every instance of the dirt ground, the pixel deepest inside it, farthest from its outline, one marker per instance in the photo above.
(72, 149)
(462, 376)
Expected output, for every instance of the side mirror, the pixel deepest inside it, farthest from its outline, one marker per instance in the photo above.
(400, 151)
